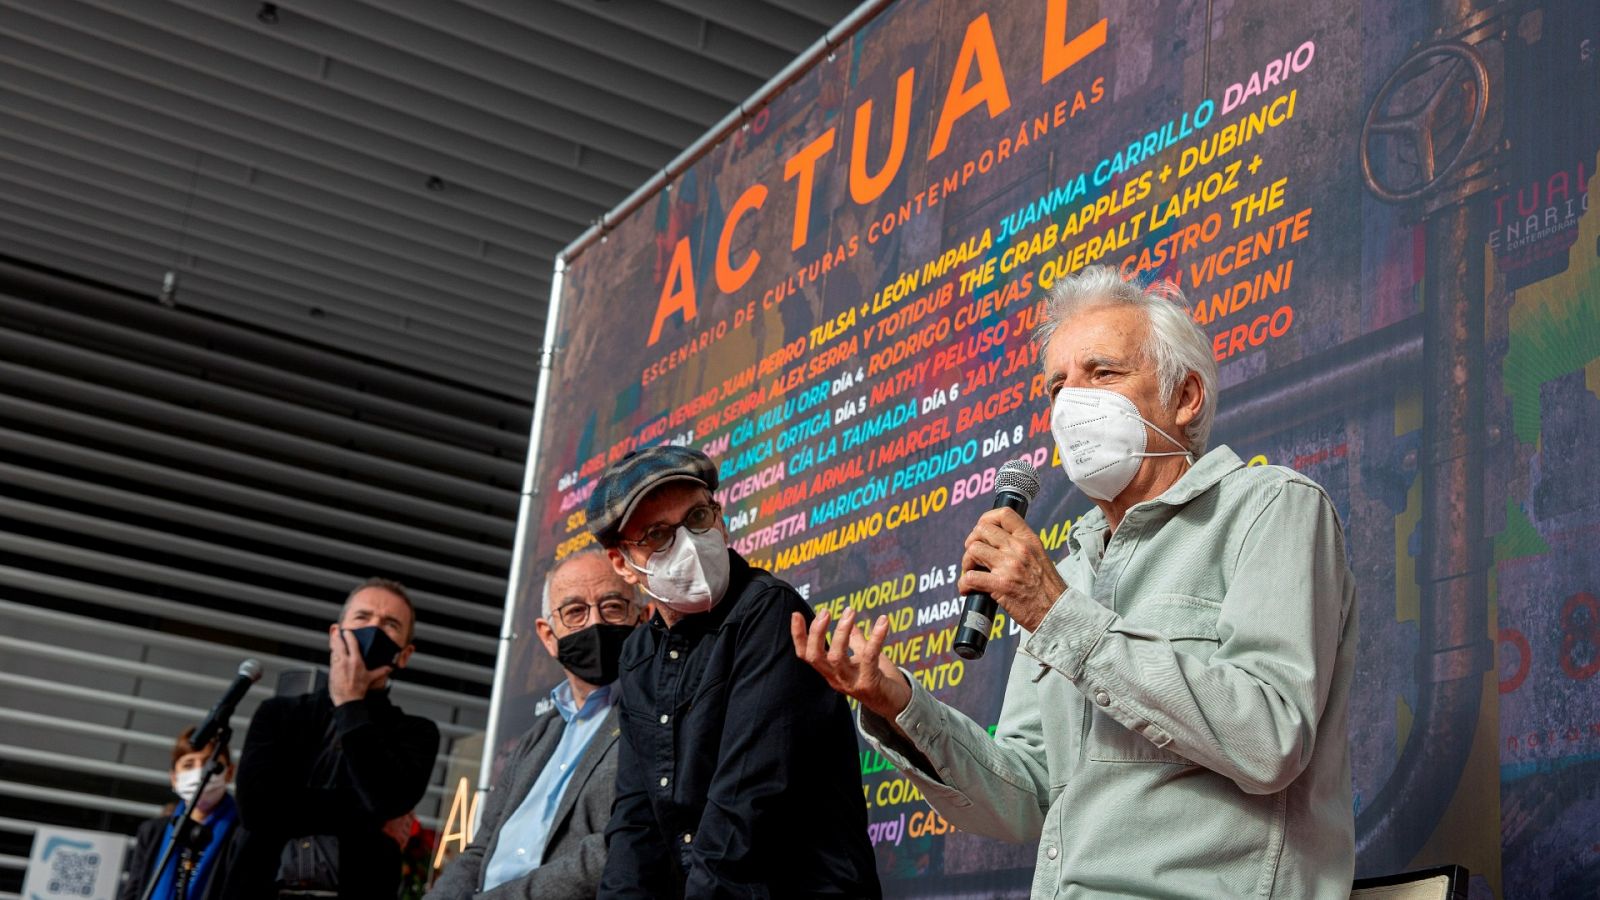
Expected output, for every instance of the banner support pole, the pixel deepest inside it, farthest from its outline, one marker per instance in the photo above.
(514, 579)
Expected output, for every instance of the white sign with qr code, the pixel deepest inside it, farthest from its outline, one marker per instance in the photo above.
(83, 865)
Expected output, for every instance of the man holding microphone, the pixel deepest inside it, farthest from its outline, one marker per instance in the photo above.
(1176, 721)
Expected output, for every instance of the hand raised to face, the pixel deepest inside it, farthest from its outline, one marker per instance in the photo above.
(348, 676)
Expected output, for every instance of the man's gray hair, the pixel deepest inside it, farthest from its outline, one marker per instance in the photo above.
(1175, 346)
(384, 584)
(591, 550)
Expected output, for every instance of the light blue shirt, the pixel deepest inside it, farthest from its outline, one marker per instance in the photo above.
(525, 832)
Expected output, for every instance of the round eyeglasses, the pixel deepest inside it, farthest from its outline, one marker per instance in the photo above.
(612, 611)
(700, 519)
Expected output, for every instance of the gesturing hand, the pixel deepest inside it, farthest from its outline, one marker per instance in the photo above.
(853, 665)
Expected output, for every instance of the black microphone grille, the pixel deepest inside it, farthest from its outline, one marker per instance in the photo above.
(251, 669)
(1019, 477)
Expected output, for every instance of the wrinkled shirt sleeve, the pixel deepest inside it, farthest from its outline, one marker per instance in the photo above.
(1250, 711)
(997, 787)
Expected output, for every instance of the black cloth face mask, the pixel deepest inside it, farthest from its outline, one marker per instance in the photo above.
(377, 649)
(594, 653)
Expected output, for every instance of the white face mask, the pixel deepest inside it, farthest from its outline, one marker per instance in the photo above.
(189, 779)
(690, 576)
(1101, 438)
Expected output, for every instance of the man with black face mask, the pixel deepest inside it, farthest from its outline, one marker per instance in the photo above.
(323, 772)
(543, 828)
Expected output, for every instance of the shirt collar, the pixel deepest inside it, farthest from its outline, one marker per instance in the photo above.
(566, 704)
(1201, 477)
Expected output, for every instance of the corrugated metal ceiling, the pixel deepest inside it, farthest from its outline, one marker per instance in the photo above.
(393, 177)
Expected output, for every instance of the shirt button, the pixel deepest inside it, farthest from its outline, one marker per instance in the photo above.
(521, 851)
(673, 654)
(688, 838)
(664, 780)
(1102, 698)
(1051, 853)
(664, 718)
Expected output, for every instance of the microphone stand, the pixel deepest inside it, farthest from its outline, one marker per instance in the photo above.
(186, 832)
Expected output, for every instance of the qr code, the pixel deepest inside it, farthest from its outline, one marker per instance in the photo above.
(73, 872)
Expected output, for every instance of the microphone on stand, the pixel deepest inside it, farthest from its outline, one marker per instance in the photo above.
(249, 673)
(1015, 486)
(187, 834)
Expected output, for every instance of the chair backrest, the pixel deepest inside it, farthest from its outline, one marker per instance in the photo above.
(1438, 883)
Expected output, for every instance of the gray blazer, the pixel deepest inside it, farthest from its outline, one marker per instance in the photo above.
(575, 854)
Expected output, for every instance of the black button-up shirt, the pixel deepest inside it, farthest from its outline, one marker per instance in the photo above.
(738, 774)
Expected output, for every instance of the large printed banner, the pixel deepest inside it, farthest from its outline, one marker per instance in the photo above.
(1379, 215)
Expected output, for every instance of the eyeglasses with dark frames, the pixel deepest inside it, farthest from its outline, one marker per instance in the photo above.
(613, 610)
(700, 519)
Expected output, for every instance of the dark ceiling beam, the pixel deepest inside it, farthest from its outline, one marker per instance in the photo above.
(197, 223)
(631, 79)
(260, 145)
(610, 41)
(568, 86)
(138, 181)
(784, 30)
(368, 60)
(335, 330)
(690, 32)
(826, 13)
(153, 81)
(344, 85)
(286, 167)
(69, 221)
(399, 349)
(51, 106)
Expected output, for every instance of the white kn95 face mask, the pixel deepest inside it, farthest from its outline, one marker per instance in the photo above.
(1101, 437)
(690, 576)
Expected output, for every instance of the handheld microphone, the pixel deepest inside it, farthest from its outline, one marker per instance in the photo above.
(1015, 486)
(249, 673)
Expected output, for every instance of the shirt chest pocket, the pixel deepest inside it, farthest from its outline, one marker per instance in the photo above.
(701, 696)
(1189, 626)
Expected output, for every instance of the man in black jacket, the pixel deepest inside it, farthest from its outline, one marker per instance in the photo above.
(738, 774)
(322, 772)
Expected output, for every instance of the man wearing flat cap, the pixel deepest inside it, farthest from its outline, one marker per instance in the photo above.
(738, 774)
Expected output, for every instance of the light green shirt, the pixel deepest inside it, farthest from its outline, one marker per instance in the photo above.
(1178, 725)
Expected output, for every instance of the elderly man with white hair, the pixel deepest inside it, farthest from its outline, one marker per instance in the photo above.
(542, 834)
(1176, 721)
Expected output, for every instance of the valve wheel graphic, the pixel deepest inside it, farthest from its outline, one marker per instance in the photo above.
(1426, 116)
